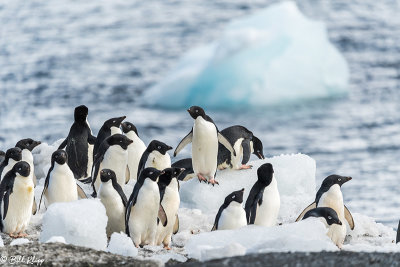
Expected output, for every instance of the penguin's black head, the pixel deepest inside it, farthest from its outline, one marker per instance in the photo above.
(14, 153)
(107, 174)
(329, 214)
(169, 174)
(59, 156)
(27, 143)
(114, 122)
(235, 196)
(22, 168)
(334, 179)
(258, 148)
(81, 113)
(159, 146)
(196, 111)
(151, 173)
(119, 140)
(265, 173)
(127, 127)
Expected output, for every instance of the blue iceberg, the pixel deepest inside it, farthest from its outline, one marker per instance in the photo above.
(275, 56)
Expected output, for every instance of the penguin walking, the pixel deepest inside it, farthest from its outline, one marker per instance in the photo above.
(114, 200)
(110, 127)
(79, 144)
(168, 186)
(186, 164)
(263, 203)
(329, 195)
(16, 195)
(135, 150)
(204, 137)
(60, 184)
(244, 143)
(231, 214)
(13, 155)
(112, 155)
(144, 209)
(155, 156)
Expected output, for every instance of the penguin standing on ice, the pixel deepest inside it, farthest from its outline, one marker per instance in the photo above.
(112, 155)
(135, 150)
(60, 184)
(16, 195)
(168, 186)
(231, 214)
(13, 155)
(79, 144)
(155, 156)
(329, 195)
(114, 200)
(244, 143)
(110, 127)
(263, 203)
(144, 210)
(204, 137)
(186, 164)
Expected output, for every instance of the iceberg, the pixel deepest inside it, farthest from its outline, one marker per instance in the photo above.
(275, 56)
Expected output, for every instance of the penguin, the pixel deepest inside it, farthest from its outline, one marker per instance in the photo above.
(231, 214)
(168, 186)
(2, 156)
(244, 143)
(110, 127)
(330, 195)
(79, 144)
(135, 150)
(188, 173)
(144, 211)
(155, 156)
(13, 155)
(263, 203)
(60, 184)
(114, 200)
(328, 215)
(204, 137)
(113, 155)
(16, 192)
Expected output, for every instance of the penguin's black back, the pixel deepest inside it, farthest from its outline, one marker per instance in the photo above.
(184, 163)
(103, 134)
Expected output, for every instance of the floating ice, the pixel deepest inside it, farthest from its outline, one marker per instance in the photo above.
(121, 244)
(275, 56)
(19, 241)
(81, 223)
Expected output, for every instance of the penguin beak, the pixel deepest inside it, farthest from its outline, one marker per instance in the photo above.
(242, 190)
(169, 148)
(260, 156)
(346, 179)
(339, 222)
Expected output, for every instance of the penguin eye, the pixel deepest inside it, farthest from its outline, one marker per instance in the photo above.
(150, 173)
(329, 217)
(120, 141)
(19, 169)
(197, 110)
(233, 196)
(109, 173)
(159, 147)
(339, 179)
(113, 121)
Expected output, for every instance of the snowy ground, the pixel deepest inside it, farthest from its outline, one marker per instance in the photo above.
(82, 223)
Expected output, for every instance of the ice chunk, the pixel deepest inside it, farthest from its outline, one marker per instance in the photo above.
(19, 241)
(230, 250)
(82, 222)
(295, 175)
(1, 242)
(42, 157)
(56, 239)
(121, 244)
(274, 56)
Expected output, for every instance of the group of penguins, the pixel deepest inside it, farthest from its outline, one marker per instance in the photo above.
(150, 215)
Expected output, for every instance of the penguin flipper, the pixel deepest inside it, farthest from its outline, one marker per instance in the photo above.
(309, 207)
(246, 151)
(185, 141)
(162, 216)
(176, 225)
(34, 208)
(6, 202)
(222, 139)
(46, 183)
(81, 193)
(349, 217)
(398, 234)
(215, 227)
(127, 174)
(63, 144)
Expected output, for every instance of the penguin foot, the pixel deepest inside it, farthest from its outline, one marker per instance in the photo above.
(245, 167)
(201, 178)
(213, 182)
(167, 247)
(12, 235)
(22, 234)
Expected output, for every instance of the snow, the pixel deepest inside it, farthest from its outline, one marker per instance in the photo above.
(1, 242)
(121, 244)
(56, 239)
(249, 64)
(82, 223)
(19, 241)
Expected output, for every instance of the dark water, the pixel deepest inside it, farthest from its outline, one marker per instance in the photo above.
(105, 54)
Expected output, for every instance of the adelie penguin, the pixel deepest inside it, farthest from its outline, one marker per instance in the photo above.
(135, 150)
(168, 186)
(16, 195)
(327, 215)
(110, 127)
(13, 155)
(114, 200)
(330, 195)
(231, 214)
(112, 155)
(244, 143)
(79, 144)
(204, 137)
(263, 203)
(60, 184)
(144, 211)
(188, 173)
(155, 156)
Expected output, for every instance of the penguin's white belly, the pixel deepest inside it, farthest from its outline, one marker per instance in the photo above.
(170, 204)
(143, 218)
(267, 213)
(115, 209)
(232, 217)
(158, 161)
(62, 185)
(236, 160)
(204, 148)
(90, 159)
(19, 206)
(115, 159)
(8, 167)
(135, 151)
